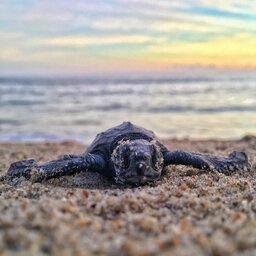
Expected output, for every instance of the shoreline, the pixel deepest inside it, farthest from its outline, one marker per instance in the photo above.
(186, 211)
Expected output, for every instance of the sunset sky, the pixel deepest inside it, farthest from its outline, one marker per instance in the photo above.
(125, 36)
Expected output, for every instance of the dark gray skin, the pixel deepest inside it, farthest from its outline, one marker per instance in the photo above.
(129, 154)
(137, 162)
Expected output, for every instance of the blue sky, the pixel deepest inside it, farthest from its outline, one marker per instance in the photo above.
(125, 36)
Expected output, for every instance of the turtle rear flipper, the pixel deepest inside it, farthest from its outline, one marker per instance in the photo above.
(236, 161)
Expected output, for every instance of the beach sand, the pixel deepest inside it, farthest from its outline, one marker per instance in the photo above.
(187, 212)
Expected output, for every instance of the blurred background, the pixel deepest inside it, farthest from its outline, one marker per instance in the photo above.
(70, 69)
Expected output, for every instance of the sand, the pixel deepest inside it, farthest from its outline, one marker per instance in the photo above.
(187, 212)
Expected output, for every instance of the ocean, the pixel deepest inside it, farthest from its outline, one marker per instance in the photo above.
(34, 109)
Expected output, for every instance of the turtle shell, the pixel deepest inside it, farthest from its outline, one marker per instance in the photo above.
(105, 142)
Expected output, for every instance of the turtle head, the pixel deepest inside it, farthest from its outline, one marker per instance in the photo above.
(137, 161)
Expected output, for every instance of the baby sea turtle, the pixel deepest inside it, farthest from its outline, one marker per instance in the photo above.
(128, 153)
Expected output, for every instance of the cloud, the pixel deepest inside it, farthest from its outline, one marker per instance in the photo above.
(97, 40)
(4, 35)
(121, 24)
(232, 6)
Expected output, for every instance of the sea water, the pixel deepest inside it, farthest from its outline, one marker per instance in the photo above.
(33, 109)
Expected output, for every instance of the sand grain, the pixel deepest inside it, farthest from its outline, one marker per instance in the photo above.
(187, 212)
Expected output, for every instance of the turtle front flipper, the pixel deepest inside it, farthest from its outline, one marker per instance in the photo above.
(234, 162)
(35, 172)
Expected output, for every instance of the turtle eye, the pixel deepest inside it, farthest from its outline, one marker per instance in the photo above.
(154, 155)
(126, 156)
(157, 160)
(121, 157)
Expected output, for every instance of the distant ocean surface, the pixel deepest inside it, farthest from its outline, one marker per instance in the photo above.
(67, 109)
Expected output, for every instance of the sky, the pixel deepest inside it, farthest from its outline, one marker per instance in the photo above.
(126, 36)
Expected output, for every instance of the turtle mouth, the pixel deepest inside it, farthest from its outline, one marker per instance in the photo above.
(136, 173)
(133, 176)
(133, 179)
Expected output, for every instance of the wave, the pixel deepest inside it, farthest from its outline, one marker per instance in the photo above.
(112, 81)
(216, 109)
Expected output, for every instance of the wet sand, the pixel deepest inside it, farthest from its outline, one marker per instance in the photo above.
(187, 212)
